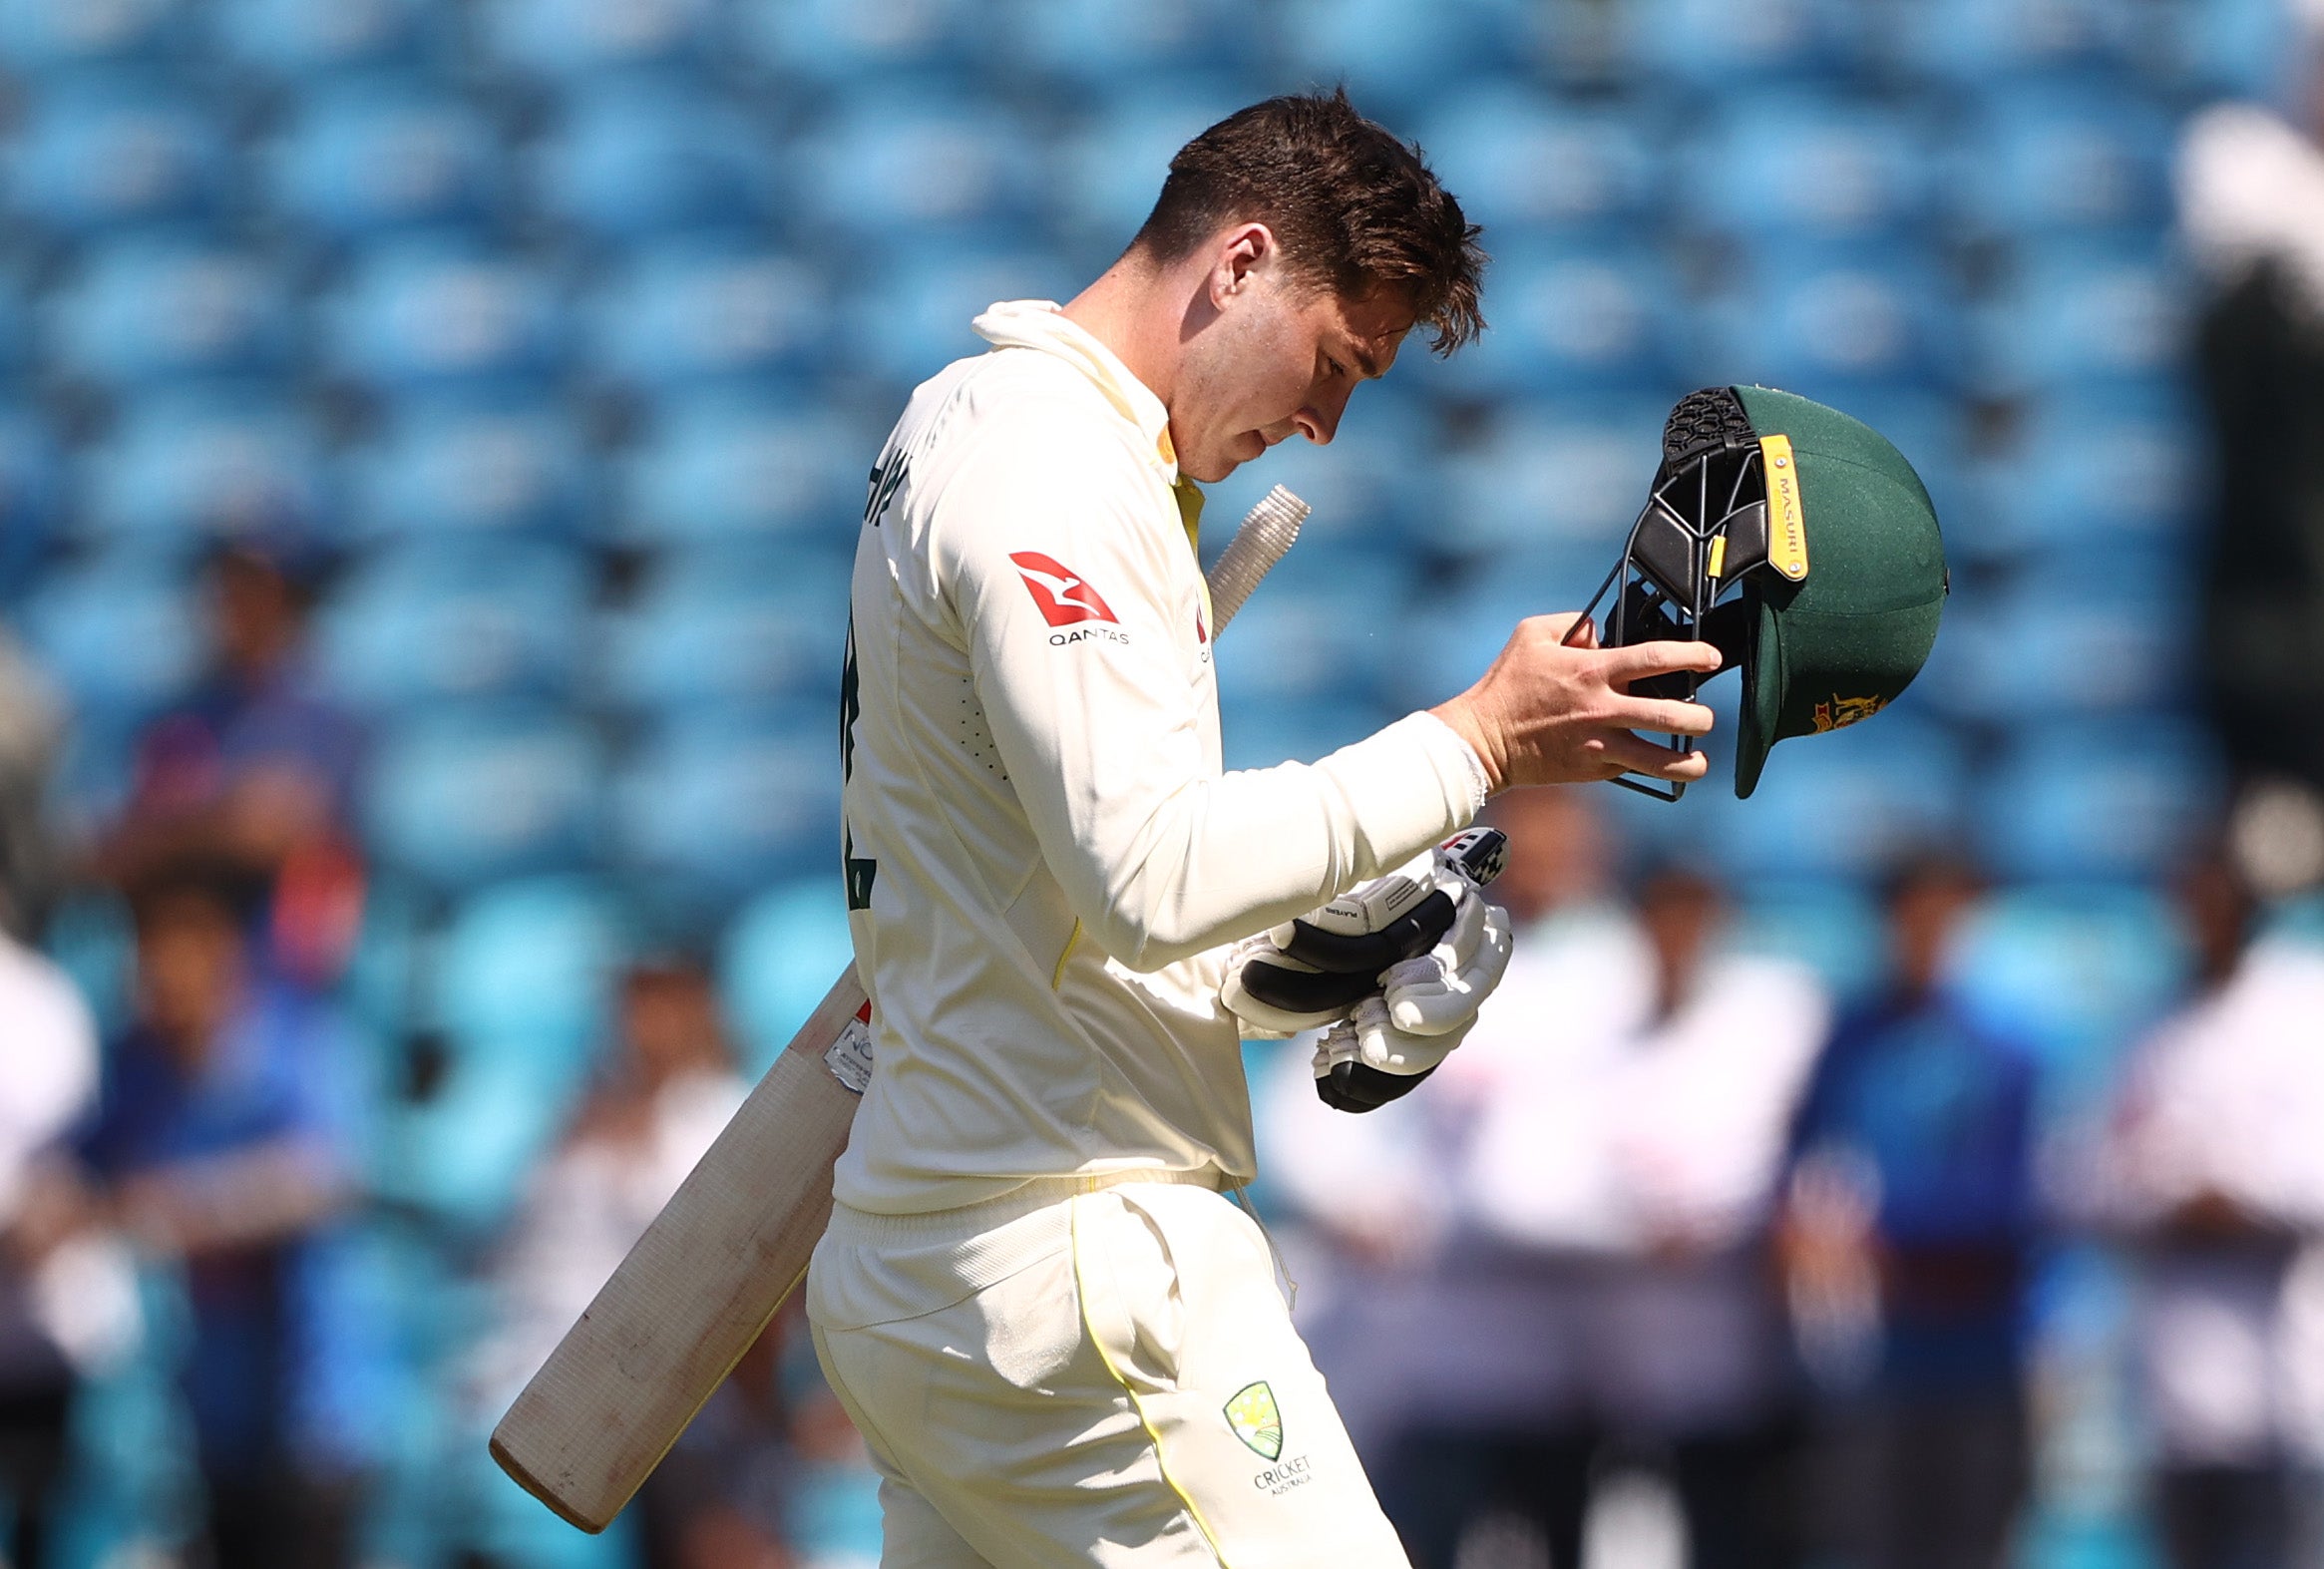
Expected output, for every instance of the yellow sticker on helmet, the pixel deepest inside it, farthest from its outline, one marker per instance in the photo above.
(1787, 522)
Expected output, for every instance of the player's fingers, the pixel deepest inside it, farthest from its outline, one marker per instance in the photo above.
(1622, 752)
(1659, 658)
(1665, 714)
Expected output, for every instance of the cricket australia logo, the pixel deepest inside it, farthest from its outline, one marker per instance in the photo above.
(1255, 1421)
(1841, 712)
(1062, 595)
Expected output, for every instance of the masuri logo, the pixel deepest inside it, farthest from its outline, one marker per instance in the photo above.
(1255, 1421)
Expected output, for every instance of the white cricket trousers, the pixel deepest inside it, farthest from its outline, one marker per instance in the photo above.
(1088, 1372)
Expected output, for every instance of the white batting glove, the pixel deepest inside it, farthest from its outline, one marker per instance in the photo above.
(1425, 1008)
(1313, 971)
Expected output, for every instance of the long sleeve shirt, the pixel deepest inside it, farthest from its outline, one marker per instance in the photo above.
(1044, 854)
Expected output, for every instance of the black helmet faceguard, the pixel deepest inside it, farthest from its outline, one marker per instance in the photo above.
(1751, 477)
(1703, 529)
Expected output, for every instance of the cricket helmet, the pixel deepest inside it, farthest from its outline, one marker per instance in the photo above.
(1797, 540)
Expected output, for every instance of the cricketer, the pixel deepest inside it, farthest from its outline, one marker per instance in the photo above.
(1062, 1340)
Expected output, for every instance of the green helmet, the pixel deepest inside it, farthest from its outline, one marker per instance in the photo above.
(1798, 541)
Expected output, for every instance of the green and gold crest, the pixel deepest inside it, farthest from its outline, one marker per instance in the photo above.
(1255, 1421)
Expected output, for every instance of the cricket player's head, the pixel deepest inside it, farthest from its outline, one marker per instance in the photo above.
(1293, 247)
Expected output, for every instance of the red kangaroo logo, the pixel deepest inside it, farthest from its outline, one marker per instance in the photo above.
(1064, 596)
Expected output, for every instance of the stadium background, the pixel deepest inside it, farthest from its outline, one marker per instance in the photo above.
(564, 330)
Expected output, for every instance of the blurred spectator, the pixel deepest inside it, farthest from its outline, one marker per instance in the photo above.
(1907, 1239)
(226, 1138)
(2212, 1166)
(1598, 1289)
(666, 1089)
(257, 769)
(2251, 204)
(48, 1076)
(31, 725)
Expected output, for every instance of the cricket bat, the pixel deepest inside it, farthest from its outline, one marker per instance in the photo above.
(732, 1244)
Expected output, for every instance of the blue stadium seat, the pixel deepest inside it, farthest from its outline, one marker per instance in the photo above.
(462, 469)
(421, 316)
(1825, 320)
(1547, 473)
(2232, 48)
(2076, 157)
(2098, 469)
(730, 467)
(695, 314)
(1808, 167)
(1725, 45)
(1393, 55)
(178, 469)
(519, 995)
(1261, 734)
(143, 311)
(889, 164)
(2082, 312)
(778, 958)
(1521, 159)
(910, 319)
(1107, 172)
(302, 40)
(16, 335)
(1832, 926)
(714, 807)
(846, 43)
(1368, 484)
(719, 625)
(2078, 969)
(1102, 46)
(532, 961)
(1833, 806)
(1571, 318)
(1328, 635)
(442, 620)
(1975, 43)
(459, 797)
(2097, 802)
(638, 159)
(43, 36)
(2075, 631)
(30, 491)
(374, 158)
(112, 152)
(121, 634)
(575, 39)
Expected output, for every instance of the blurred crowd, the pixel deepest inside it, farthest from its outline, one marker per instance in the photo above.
(1680, 1208)
(431, 433)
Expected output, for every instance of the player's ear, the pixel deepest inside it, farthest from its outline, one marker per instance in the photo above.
(1239, 253)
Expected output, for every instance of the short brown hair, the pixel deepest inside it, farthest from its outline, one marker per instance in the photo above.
(1353, 208)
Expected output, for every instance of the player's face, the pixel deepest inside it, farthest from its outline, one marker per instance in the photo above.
(1280, 361)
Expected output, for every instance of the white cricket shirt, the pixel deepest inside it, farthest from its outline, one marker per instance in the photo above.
(1042, 852)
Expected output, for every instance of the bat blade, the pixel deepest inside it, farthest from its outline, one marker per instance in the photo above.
(717, 1265)
(698, 1288)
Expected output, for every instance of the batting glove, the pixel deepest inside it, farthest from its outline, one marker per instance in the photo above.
(1312, 971)
(1425, 1007)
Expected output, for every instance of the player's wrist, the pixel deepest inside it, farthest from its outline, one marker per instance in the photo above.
(1460, 716)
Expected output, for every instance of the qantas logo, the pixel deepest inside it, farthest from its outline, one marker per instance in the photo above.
(1060, 592)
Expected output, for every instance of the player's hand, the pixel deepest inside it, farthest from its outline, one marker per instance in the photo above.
(1555, 709)
(1425, 1007)
(1313, 972)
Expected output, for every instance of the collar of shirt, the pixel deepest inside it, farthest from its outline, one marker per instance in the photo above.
(1040, 324)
